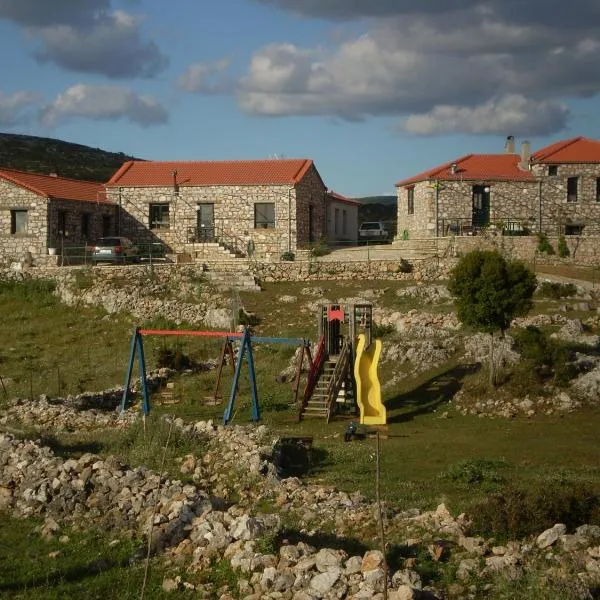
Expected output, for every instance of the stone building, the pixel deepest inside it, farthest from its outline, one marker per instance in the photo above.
(257, 207)
(40, 212)
(555, 190)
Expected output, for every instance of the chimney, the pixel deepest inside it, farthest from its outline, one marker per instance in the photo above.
(509, 145)
(525, 156)
(453, 168)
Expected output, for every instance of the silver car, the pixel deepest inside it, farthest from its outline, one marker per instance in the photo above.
(115, 250)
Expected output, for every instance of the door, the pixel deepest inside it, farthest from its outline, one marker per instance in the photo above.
(481, 206)
(206, 222)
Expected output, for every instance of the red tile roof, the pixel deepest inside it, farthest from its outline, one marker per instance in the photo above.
(229, 172)
(575, 150)
(339, 198)
(475, 167)
(57, 187)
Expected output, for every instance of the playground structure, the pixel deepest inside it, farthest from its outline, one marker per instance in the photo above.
(244, 338)
(343, 376)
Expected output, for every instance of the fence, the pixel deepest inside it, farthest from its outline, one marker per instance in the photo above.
(83, 255)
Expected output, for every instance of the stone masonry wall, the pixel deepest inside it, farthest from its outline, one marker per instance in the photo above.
(233, 214)
(310, 192)
(422, 222)
(556, 211)
(14, 246)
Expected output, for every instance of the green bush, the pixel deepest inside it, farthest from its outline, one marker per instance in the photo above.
(248, 319)
(517, 512)
(320, 249)
(378, 331)
(404, 266)
(555, 290)
(544, 246)
(172, 358)
(563, 249)
(476, 471)
(289, 255)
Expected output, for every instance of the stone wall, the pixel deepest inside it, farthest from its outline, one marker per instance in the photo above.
(556, 211)
(14, 245)
(233, 214)
(523, 204)
(310, 209)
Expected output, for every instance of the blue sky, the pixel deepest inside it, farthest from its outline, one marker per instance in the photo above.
(373, 90)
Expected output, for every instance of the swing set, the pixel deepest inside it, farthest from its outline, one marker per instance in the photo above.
(245, 339)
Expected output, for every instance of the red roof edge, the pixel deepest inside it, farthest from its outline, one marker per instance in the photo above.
(429, 174)
(123, 169)
(27, 186)
(340, 198)
(303, 170)
(548, 151)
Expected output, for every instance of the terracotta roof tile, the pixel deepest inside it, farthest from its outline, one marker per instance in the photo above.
(232, 172)
(57, 187)
(575, 150)
(475, 167)
(340, 198)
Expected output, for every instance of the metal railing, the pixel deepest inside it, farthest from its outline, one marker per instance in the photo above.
(219, 235)
(83, 255)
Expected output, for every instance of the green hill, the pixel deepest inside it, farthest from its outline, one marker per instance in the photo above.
(379, 208)
(47, 155)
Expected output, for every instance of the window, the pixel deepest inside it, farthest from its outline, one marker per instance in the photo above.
(62, 222)
(573, 229)
(336, 221)
(159, 216)
(598, 190)
(264, 215)
(553, 170)
(18, 221)
(86, 219)
(106, 225)
(344, 222)
(411, 201)
(572, 183)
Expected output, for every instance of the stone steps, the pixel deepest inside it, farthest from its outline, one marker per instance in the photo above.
(239, 280)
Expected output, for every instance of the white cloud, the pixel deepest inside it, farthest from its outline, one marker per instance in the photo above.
(465, 58)
(103, 103)
(205, 78)
(13, 107)
(86, 36)
(509, 113)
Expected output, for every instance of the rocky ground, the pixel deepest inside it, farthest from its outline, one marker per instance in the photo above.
(194, 522)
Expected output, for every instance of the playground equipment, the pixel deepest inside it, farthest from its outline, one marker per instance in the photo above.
(368, 389)
(343, 374)
(245, 339)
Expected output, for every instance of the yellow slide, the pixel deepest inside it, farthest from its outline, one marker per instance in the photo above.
(368, 390)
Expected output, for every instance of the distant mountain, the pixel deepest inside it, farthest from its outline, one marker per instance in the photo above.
(379, 208)
(47, 155)
(377, 200)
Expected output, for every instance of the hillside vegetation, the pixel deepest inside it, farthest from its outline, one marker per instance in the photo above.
(47, 155)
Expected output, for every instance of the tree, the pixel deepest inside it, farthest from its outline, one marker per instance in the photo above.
(490, 292)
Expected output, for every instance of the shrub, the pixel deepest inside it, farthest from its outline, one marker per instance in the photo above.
(555, 290)
(544, 246)
(404, 266)
(172, 358)
(477, 471)
(289, 255)
(248, 319)
(378, 331)
(516, 512)
(563, 249)
(320, 249)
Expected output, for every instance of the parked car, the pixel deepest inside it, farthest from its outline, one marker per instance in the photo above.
(115, 250)
(373, 231)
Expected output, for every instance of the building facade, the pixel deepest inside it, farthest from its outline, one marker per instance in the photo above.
(262, 207)
(342, 218)
(42, 212)
(555, 190)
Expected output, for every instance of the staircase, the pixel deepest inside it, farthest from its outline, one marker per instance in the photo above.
(209, 251)
(230, 276)
(422, 247)
(329, 385)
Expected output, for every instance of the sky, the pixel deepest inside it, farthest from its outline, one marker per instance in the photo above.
(374, 91)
